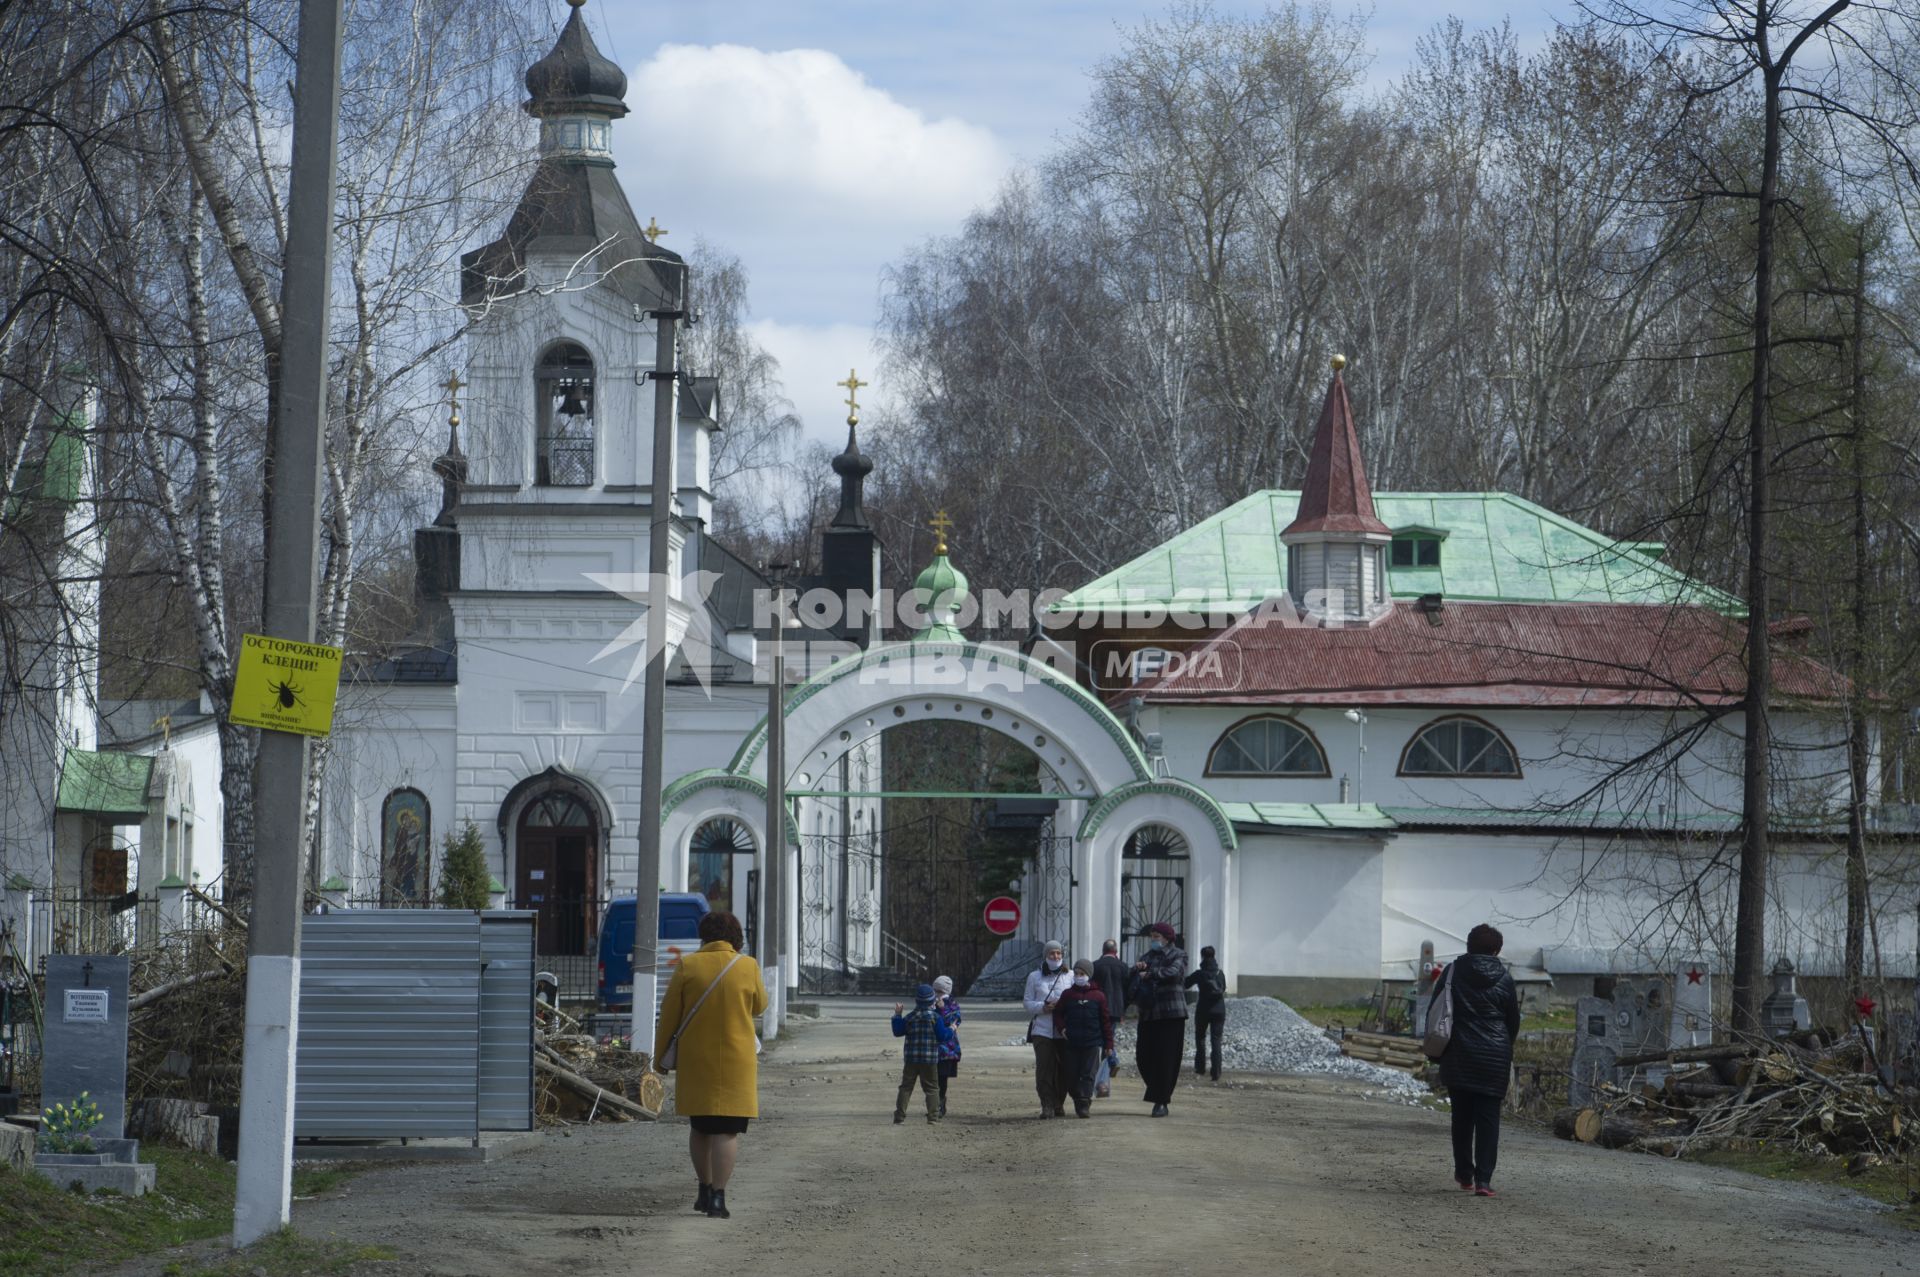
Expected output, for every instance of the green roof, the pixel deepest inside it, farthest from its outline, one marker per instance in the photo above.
(1497, 548)
(1309, 815)
(105, 784)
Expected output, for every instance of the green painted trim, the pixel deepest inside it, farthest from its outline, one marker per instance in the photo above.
(495, 886)
(922, 793)
(743, 758)
(19, 882)
(692, 783)
(333, 883)
(1106, 806)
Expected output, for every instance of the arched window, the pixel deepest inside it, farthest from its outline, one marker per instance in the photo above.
(711, 860)
(1459, 747)
(406, 850)
(1267, 746)
(564, 401)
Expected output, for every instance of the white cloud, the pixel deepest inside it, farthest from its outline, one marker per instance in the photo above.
(812, 358)
(804, 134)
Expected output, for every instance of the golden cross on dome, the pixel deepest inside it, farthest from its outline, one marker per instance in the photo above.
(454, 386)
(853, 384)
(941, 525)
(654, 230)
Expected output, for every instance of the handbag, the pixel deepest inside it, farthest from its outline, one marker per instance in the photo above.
(1439, 1017)
(671, 1056)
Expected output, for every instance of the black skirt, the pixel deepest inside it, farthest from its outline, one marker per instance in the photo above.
(719, 1125)
(1161, 1047)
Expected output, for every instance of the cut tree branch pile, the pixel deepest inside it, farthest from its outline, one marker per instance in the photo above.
(580, 1080)
(1813, 1100)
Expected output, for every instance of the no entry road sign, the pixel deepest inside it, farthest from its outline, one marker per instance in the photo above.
(1002, 915)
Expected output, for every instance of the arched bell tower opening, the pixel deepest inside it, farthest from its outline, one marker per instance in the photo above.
(564, 438)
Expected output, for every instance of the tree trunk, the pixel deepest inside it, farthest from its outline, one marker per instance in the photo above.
(1858, 706)
(238, 748)
(1750, 922)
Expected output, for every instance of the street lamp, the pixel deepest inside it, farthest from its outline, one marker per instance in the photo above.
(1359, 719)
(774, 843)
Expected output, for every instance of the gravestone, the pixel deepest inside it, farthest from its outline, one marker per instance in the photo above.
(85, 1045)
(1692, 1023)
(1641, 1014)
(1595, 1048)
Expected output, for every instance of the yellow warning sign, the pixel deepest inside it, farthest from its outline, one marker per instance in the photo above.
(285, 686)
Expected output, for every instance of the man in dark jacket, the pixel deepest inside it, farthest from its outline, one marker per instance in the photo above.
(1210, 1016)
(1478, 1061)
(1110, 976)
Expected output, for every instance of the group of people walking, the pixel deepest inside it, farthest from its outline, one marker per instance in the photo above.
(1074, 1013)
(707, 1036)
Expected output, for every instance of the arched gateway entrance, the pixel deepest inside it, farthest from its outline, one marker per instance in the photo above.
(1106, 789)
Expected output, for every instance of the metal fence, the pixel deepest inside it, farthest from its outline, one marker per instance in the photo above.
(70, 922)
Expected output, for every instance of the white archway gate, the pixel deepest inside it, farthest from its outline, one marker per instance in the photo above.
(1106, 787)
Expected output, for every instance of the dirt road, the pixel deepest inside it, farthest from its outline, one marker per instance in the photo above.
(1270, 1175)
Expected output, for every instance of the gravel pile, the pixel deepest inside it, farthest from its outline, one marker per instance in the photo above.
(1265, 1035)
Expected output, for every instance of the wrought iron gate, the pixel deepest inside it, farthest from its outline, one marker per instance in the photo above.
(1153, 884)
(882, 909)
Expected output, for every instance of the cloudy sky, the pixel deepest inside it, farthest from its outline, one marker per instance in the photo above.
(819, 139)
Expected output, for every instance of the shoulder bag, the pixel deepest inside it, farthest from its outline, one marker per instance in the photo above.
(1439, 1017)
(671, 1056)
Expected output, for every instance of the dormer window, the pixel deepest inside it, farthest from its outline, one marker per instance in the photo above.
(1414, 550)
(564, 401)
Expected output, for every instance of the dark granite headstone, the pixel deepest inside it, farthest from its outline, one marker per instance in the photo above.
(1595, 1046)
(86, 1037)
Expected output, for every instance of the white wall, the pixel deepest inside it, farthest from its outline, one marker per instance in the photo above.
(1563, 754)
(1308, 906)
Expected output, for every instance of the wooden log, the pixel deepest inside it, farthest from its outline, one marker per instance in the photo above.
(1686, 1055)
(593, 1091)
(1701, 1090)
(1583, 1125)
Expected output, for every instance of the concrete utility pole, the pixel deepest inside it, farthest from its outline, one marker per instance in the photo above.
(773, 887)
(263, 1198)
(653, 738)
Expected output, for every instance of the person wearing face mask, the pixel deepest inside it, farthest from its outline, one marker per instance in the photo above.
(1159, 989)
(947, 1007)
(1085, 1027)
(1042, 995)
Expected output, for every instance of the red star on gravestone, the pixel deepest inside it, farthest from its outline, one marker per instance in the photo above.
(1694, 974)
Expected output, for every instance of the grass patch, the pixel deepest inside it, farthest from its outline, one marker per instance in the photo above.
(47, 1230)
(285, 1254)
(1893, 1184)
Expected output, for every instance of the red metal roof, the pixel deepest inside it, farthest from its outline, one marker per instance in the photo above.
(1486, 654)
(1335, 496)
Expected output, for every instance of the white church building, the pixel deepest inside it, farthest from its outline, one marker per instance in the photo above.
(1316, 730)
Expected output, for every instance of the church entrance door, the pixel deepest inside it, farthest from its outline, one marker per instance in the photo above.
(555, 873)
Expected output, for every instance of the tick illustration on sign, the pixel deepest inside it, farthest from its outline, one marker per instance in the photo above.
(287, 694)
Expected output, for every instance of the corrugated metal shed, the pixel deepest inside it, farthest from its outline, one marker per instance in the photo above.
(506, 1012)
(414, 1023)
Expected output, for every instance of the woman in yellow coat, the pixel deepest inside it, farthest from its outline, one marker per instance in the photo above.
(718, 1088)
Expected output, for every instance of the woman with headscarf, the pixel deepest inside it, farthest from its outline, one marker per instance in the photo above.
(947, 1007)
(1159, 990)
(1045, 984)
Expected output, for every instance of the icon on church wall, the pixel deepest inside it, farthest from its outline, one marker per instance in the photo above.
(404, 829)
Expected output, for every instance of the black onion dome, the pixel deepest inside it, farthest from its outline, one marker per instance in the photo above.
(576, 77)
(853, 463)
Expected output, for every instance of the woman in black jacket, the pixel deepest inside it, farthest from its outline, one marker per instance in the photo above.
(1479, 1058)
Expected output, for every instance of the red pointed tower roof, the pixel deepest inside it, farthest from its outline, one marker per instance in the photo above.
(1335, 496)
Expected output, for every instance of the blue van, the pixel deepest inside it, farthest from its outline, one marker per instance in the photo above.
(680, 914)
